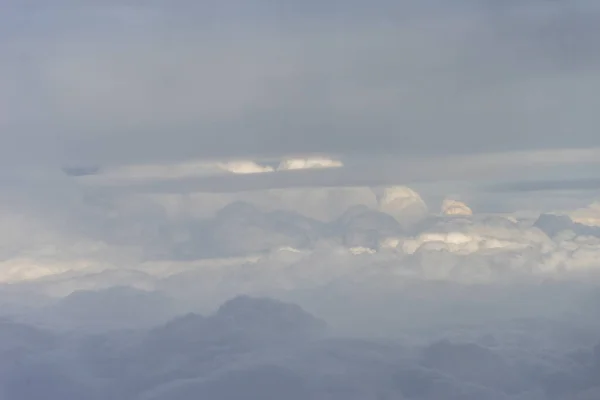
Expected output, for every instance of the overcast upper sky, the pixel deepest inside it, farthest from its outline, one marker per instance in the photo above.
(130, 82)
(140, 141)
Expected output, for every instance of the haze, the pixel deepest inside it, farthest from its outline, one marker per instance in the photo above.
(300, 200)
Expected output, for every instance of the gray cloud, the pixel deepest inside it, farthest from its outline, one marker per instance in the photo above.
(549, 185)
(147, 86)
(478, 170)
(470, 92)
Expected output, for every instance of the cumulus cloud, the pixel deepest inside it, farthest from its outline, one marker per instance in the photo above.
(235, 175)
(403, 203)
(452, 291)
(589, 216)
(387, 225)
(455, 207)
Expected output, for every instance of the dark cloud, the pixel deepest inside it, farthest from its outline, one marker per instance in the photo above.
(473, 78)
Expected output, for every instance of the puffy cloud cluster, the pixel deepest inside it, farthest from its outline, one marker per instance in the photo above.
(587, 216)
(470, 306)
(33, 247)
(121, 291)
(403, 203)
(264, 242)
(455, 207)
(388, 229)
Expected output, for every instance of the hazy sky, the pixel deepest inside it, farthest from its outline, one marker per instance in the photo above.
(128, 82)
(482, 276)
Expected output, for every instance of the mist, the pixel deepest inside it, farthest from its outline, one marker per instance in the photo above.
(386, 300)
(301, 200)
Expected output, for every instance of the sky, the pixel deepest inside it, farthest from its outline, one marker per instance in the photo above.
(338, 199)
(146, 82)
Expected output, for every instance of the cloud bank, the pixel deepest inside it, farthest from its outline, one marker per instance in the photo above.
(200, 199)
(141, 83)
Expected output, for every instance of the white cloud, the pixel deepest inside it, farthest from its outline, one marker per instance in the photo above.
(589, 216)
(245, 167)
(483, 170)
(132, 174)
(308, 163)
(138, 231)
(472, 280)
(403, 203)
(455, 207)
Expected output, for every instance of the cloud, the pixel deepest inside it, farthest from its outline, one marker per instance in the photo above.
(128, 174)
(476, 170)
(550, 185)
(403, 203)
(233, 175)
(455, 207)
(308, 163)
(140, 240)
(149, 173)
(469, 80)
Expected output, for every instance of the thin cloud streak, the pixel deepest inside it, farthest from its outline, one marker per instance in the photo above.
(368, 171)
(548, 185)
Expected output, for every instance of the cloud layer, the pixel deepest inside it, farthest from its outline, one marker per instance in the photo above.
(139, 84)
(207, 199)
